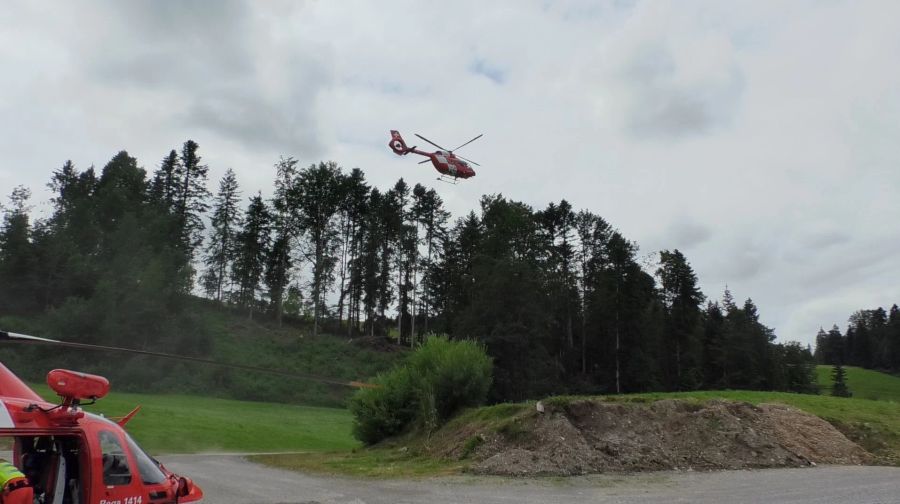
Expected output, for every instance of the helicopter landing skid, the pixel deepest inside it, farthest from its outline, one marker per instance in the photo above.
(449, 180)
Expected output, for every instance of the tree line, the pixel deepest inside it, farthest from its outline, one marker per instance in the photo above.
(557, 295)
(872, 341)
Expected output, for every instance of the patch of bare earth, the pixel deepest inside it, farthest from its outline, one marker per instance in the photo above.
(594, 436)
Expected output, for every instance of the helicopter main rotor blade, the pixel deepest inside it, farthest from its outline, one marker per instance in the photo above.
(424, 161)
(467, 143)
(24, 338)
(467, 160)
(429, 141)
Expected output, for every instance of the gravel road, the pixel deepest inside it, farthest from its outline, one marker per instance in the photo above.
(229, 479)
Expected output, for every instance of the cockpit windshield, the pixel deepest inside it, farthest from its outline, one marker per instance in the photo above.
(148, 467)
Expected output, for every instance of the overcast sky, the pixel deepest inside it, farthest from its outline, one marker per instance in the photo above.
(760, 138)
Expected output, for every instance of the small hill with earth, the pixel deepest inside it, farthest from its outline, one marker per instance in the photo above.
(582, 436)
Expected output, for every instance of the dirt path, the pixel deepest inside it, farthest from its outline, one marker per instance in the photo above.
(233, 480)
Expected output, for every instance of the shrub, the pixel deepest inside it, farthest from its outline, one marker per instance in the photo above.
(384, 411)
(437, 380)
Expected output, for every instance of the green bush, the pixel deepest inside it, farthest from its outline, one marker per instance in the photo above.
(437, 380)
(386, 410)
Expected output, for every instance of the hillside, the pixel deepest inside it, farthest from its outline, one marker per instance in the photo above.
(233, 338)
(864, 383)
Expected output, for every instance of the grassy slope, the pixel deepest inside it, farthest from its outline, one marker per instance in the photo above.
(235, 339)
(864, 383)
(181, 424)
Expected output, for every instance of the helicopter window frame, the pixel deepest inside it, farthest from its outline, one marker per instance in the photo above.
(115, 458)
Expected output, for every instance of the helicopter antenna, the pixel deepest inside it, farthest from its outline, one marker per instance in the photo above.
(429, 141)
(467, 143)
(24, 338)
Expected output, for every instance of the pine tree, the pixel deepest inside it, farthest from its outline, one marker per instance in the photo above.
(17, 266)
(190, 195)
(279, 262)
(164, 187)
(353, 209)
(557, 223)
(432, 217)
(252, 247)
(221, 249)
(318, 200)
(682, 299)
(839, 376)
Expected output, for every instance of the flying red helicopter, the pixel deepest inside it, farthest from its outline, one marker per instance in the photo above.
(74, 457)
(451, 166)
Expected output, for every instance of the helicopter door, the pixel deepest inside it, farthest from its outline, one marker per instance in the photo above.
(119, 482)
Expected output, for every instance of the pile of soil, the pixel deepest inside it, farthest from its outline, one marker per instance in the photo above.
(594, 436)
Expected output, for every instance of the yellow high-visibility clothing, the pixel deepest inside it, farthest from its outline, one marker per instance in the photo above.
(8, 472)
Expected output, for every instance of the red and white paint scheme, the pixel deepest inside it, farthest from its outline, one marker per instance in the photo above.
(449, 165)
(73, 456)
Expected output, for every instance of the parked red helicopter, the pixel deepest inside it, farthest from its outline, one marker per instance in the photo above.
(451, 166)
(74, 457)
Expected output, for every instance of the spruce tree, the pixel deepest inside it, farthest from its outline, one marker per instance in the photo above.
(164, 187)
(191, 195)
(17, 261)
(252, 247)
(839, 376)
(279, 261)
(682, 299)
(318, 201)
(222, 246)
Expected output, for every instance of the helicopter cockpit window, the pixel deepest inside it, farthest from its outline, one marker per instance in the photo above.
(147, 467)
(115, 462)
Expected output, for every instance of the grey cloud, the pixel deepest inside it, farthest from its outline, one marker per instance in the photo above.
(825, 239)
(660, 106)
(218, 59)
(257, 122)
(685, 233)
(176, 43)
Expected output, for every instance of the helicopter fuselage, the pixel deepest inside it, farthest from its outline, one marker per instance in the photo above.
(445, 162)
(69, 455)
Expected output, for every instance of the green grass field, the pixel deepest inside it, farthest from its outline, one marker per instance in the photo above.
(186, 424)
(864, 383)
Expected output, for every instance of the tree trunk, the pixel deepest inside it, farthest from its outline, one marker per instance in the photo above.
(618, 383)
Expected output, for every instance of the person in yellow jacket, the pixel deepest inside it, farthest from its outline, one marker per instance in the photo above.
(14, 487)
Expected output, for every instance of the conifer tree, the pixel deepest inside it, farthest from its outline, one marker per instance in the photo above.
(17, 266)
(164, 187)
(279, 262)
(222, 246)
(191, 195)
(682, 299)
(252, 247)
(839, 376)
(318, 201)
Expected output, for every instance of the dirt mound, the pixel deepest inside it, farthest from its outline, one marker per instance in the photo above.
(595, 436)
